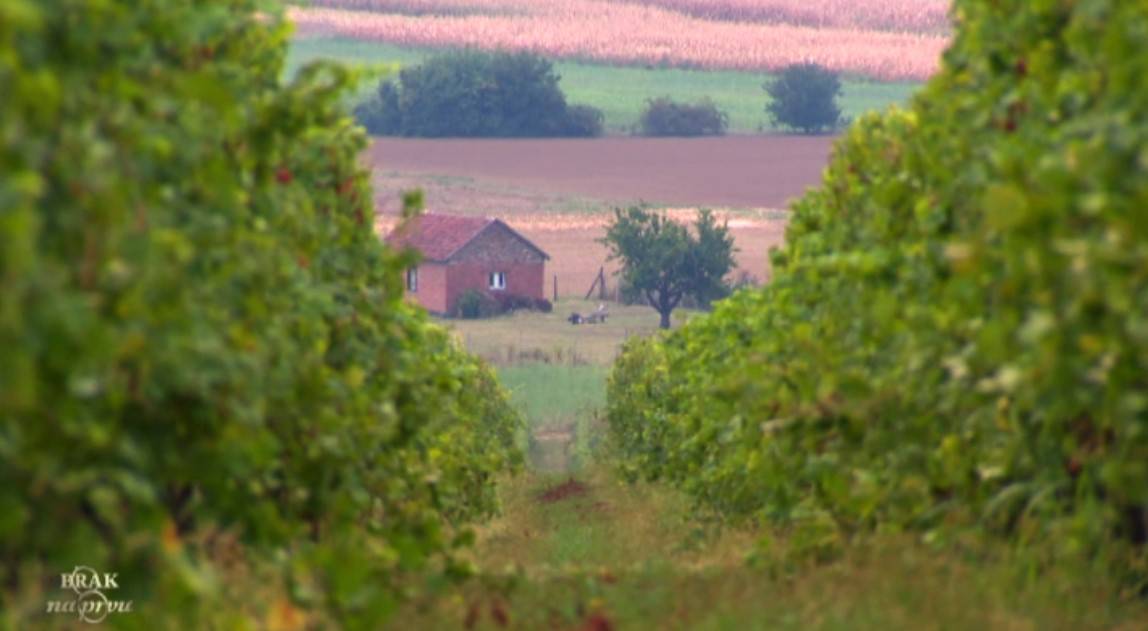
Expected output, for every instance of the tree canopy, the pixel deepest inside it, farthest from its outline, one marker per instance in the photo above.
(665, 117)
(804, 97)
(477, 94)
(663, 260)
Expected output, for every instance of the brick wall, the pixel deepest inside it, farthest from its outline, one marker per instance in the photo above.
(497, 249)
(497, 244)
(432, 291)
(522, 279)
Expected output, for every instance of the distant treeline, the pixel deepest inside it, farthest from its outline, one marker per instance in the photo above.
(473, 94)
(477, 94)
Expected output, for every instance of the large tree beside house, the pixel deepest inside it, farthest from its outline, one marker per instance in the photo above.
(667, 262)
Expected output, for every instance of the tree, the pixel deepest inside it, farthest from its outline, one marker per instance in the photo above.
(664, 117)
(666, 262)
(477, 94)
(804, 97)
(381, 115)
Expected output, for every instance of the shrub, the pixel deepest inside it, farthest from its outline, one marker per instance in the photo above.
(953, 341)
(804, 97)
(513, 302)
(473, 304)
(664, 117)
(202, 334)
(584, 121)
(381, 115)
(477, 94)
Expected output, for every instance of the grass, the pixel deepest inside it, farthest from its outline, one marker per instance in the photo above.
(552, 394)
(606, 554)
(635, 557)
(561, 401)
(621, 91)
(530, 337)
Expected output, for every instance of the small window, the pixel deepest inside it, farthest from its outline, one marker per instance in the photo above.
(498, 280)
(412, 279)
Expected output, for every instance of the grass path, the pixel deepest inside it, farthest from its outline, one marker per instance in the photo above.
(577, 548)
(586, 551)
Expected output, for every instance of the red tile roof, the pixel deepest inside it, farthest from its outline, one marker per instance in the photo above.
(437, 236)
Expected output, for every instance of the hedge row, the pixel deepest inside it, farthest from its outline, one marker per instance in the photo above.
(203, 336)
(955, 339)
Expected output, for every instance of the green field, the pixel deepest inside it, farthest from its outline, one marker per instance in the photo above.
(563, 403)
(549, 394)
(621, 91)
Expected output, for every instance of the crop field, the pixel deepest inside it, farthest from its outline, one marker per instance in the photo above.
(887, 41)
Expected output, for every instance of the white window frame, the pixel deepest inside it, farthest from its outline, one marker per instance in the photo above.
(496, 281)
(413, 280)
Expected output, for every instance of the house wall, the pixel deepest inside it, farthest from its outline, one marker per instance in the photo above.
(433, 288)
(496, 250)
(522, 279)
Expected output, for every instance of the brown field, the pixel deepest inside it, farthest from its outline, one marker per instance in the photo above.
(729, 171)
(558, 193)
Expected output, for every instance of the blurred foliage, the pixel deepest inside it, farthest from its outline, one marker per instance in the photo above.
(804, 97)
(955, 338)
(664, 117)
(477, 94)
(204, 340)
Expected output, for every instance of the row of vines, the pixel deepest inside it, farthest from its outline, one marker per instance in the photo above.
(955, 339)
(208, 372)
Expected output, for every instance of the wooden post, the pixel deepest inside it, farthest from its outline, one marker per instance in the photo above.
(556, 288)
(600, 283)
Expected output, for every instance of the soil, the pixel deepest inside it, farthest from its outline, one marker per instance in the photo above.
(566, 490)
(727, 171)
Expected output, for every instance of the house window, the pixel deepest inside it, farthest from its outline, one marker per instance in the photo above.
(498, 280)
(413, 279)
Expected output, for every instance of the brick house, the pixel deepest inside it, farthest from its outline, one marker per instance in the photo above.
(462, 253)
